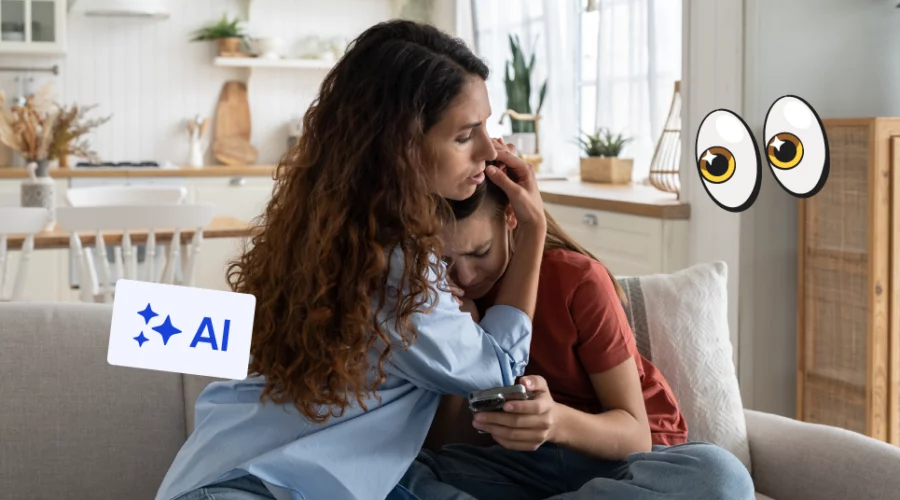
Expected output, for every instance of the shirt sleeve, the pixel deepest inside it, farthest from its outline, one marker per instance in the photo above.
(452, 354)
(605, 339)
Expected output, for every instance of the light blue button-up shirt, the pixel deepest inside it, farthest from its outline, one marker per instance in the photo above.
(360, 455)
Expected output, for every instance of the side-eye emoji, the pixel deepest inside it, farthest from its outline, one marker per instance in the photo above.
(729, 162)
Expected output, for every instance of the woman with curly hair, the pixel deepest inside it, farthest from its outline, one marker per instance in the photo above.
(356, 334)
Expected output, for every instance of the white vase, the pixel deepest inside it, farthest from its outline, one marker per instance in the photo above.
(39, 192)
(525, 142)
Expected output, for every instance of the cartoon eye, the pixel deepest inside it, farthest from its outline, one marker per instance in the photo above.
(796, 146)
(728, 160)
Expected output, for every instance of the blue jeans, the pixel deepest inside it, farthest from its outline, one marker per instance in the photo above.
(243, 488)
(251, 488)
(688, 471)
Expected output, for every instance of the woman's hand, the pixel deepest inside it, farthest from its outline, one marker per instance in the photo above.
(499, 145)
(523, 425)
(521, 189)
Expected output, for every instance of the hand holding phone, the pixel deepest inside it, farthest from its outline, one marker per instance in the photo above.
(523, 425)
(493, 399)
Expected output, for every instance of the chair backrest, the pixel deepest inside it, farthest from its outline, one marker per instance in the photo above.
(19, 221)
(134, 221)
(125, 195)
(10, 199)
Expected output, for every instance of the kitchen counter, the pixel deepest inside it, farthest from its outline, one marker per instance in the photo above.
(209, 171)
(633, 199)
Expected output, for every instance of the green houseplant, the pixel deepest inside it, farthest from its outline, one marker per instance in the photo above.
(518, 79)
(228, 34)
(601, 162)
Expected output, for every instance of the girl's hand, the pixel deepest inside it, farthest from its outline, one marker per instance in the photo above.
(523, 425)
(468, 305)
(456, 292)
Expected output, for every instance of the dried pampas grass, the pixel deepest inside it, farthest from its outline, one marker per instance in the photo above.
(45, 130)
(29, 129)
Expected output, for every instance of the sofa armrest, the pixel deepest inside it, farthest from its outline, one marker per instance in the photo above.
(795, 460)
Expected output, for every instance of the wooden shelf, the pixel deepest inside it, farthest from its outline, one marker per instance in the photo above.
(255, 62)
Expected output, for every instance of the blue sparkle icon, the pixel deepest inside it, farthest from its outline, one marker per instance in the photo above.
(148, 314)
(166, 330)
(141, 339)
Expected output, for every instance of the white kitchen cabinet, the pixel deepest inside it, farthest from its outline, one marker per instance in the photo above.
(242, 197)
(629, 245)
(48, 268)
(33, 27)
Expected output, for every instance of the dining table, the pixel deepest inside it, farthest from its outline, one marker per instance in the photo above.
(56, 238)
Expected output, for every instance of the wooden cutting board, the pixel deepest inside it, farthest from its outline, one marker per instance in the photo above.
(233, 112)
(232, 134)
(235, 151)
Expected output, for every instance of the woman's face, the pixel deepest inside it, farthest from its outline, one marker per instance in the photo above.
(459, 143)
(477, 250)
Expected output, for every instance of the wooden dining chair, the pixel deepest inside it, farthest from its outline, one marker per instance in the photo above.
(166, 220)
(125, 195)
(19, 221)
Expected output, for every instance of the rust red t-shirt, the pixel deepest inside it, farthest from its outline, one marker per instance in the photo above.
(580, 328)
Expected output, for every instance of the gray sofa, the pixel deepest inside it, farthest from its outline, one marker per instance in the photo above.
(74, 427)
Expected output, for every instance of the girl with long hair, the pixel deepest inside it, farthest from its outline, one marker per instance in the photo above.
(356, 335)
(604, 422)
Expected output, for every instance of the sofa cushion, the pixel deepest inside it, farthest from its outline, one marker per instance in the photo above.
(71, 425)
(680, 322)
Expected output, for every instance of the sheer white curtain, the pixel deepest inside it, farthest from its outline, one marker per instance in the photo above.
(631, 57)
(548, 28)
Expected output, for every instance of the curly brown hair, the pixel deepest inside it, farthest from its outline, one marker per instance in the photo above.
(355, 187)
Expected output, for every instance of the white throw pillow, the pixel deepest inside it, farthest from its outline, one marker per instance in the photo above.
(680, 322)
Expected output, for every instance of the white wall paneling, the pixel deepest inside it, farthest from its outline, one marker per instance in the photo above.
(712, 66)
(843, 60)
(151, 78)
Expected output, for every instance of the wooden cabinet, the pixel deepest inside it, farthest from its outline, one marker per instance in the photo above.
(33, 27)
(849, 284)
(629, 245)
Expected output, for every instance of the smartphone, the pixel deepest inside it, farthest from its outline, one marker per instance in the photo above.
(493, 399)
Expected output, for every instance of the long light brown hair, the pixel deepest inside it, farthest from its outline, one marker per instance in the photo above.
(489, 193)
(355, 187)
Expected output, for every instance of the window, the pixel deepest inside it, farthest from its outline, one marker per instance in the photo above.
(630, 61)
(494, 22)
(611, 66)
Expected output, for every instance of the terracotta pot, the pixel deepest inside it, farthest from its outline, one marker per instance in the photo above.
(229, 46)
(606, 170)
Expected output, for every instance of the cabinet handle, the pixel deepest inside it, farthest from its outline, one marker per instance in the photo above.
(589, 220)
(237, 181)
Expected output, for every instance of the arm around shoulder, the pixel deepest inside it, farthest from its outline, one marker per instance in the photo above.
(452, 354)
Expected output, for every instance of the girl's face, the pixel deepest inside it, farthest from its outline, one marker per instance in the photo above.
(459, 143)
(477, 249)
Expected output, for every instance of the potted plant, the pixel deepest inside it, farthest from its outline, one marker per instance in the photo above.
(28, 130)
(518, 96)
(71, 126)
(601, 162)
(229, 35)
